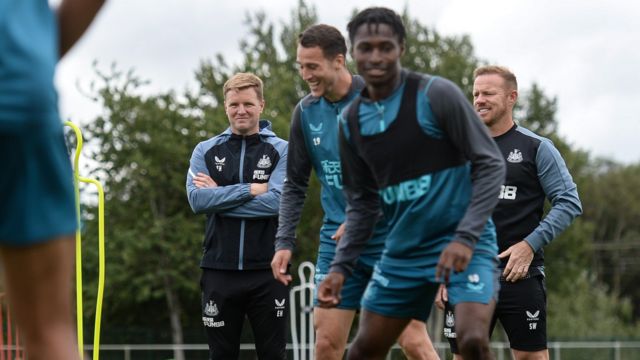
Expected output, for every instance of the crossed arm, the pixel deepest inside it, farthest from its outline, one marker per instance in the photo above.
(247, 200)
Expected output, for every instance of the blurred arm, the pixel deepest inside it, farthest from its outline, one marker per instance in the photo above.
(74, 17)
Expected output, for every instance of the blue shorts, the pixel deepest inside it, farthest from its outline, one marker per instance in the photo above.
(401, 292)
(478, 283)
(36, 181)
(353, 287)
(36, 188)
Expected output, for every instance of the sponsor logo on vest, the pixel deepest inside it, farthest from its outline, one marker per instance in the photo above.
(265, 162)
(219, 162)
(332, 173)
(515, 156)
(260, 175)
(406, 190)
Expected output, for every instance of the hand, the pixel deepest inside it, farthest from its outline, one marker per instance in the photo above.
(520, 256)
(441, 297)
(203, 180)
(257, 189)
(279, 266)
(329, 290)
(455, 256)
(338, 235)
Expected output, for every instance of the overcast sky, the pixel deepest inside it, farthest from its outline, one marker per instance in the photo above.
(585, 52)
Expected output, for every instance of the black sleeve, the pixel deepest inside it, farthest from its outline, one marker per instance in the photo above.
(363, 207)
(295, 185)
(462, 125)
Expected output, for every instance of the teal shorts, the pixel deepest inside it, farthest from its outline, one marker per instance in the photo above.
(408, 292)
(36, 188)
(353, 287)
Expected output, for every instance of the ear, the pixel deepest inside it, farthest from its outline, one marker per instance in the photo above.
(262, 104)
(339, 61)
(513, 97)
(402, 48)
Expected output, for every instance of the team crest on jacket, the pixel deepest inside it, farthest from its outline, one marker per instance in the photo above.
(211, 309)
(265, 162)
(219, 162)
(515, 156)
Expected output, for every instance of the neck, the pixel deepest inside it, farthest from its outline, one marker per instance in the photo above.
(341, 86)
(245, 133)
(501, 127)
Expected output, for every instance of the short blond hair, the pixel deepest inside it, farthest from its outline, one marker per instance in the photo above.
(241, 81)
(503, 72)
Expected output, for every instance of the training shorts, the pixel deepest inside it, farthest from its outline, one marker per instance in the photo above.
(522, 311)
(354, 286)
(36, 181)
(36, 188)
(398, 291)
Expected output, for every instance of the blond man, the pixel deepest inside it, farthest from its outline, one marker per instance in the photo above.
(235, 179)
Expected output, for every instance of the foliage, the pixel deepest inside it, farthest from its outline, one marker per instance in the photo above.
(591, 312)
(451, 57)
(143, 145)
(614, 205)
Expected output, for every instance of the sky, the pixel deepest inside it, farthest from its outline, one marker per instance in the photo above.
(584, 52)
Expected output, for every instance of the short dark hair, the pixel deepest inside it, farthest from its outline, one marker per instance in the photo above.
(328, 38)
(375, 16)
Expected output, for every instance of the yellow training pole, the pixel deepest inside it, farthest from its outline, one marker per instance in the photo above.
(76, 178)
(101, 253)
(101, 266)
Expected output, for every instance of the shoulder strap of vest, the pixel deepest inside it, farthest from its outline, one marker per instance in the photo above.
(412, 83)
(353, 120)
(410, 95)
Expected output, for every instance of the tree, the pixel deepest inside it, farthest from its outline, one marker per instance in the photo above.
(143, 144)
(451, 57)
(614, 205)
